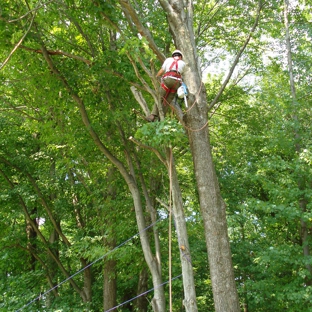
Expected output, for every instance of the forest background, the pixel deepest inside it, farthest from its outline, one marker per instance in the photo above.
(208, 209)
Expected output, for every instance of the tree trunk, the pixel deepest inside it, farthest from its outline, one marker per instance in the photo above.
(142, 303)
(31, 240)
(54, 245)
(87, 281)
(304, 231)
(212, 207)
(180, 224)
(109, 285)
(158, 302)
(215, 224)
(109, 241)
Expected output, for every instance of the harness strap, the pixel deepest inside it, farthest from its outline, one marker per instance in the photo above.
(175, 62)
(167, 89)
(173, 74)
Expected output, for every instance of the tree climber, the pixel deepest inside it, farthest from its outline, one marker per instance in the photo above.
(171, 80)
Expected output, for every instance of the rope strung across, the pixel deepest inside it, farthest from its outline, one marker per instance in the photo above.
(90, 264)
(144, 293)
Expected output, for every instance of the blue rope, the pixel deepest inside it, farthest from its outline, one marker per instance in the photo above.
(87, 266)
(144, 293)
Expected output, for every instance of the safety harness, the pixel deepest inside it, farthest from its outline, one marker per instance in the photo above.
(173, 74)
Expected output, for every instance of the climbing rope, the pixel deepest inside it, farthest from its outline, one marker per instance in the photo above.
(205, 125)
(170, 233)
(190, 129)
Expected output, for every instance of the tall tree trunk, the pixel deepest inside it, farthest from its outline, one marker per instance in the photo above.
(109, 284)
(109, 241)
(304, 232)
(211, 204)
(181, 229)
(87, 281)
(54, 243)
(158, 302)
(142, 303)
(215, 224)
(31, 240)
(189, 301)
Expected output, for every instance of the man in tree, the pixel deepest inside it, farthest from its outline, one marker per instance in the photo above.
(172, 70)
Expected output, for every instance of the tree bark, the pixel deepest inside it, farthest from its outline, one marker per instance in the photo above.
(109, 241)
(31, 240)
(142, 302)
(215, 223)
(109, 284)
(211, 204)
(189, 301)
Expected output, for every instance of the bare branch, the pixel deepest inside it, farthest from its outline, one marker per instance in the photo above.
(145, 84)
(20, 109)
(140, 99)
(157, 153)
(58, 52)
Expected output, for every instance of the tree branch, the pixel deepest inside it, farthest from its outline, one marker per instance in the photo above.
(226, 81)
(126, 5)
(58, 52)
(140, 99)
(157, 153)
(18, 44)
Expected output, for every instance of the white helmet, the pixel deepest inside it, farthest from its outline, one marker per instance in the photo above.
(177, 52)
